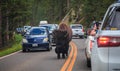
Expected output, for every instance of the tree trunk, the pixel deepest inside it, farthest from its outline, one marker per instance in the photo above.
(0, 27)
(7, 30)
(68, 5)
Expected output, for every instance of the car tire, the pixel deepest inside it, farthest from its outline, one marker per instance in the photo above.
(50, 47)
(88, 62)
(80, 37)
(24, 50)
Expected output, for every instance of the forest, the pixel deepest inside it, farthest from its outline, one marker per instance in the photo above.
(17, 13)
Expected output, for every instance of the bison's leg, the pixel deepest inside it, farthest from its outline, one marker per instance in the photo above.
(67, 48)
(58, 55)
(58, 52)
(63, 52)
(63, 55)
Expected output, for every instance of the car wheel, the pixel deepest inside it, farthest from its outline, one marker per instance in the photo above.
(50, 47)
(24, 50)
(88, 63)
(81, 37)
(88, 60)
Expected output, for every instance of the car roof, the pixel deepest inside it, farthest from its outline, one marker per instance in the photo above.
(27, 26)
(47, 24)
(38, 27)
(115, 4)
(75, 25)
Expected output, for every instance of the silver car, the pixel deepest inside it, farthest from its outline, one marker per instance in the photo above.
(106, 49)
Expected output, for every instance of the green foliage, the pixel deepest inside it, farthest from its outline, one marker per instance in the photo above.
(16, 46)
(50, 10)
(95, 10)
(18, 38)
(17, 13)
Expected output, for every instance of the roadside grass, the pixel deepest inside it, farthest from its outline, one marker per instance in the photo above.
(16, 46)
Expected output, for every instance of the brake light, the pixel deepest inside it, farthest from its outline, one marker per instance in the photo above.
(82, 30)
(105, 41)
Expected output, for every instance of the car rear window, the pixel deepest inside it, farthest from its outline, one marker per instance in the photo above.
(76, 27)
(37, 32)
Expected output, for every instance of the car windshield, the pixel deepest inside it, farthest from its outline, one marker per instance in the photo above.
(48, 27)
(76, 27)
(112, 20)
(37, 32)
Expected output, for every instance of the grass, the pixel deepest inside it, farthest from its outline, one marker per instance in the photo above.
(14, 47)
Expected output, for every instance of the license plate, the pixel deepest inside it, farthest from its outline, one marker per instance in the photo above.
(34, 45)
(76, 30)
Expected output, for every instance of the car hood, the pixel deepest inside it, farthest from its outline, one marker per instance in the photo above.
(36, 36)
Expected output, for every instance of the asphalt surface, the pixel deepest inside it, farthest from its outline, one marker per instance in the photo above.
(80, 63)
(43, 60)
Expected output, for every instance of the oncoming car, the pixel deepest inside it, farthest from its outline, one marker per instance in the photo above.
(106, 49)
(37, 38)
(51, 28)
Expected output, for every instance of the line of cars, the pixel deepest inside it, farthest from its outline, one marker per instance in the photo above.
(105, 46)
(38, 38)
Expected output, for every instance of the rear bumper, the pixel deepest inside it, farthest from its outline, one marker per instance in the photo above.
(105, 59)
(100, 64)
(36, 46)
(78, 34)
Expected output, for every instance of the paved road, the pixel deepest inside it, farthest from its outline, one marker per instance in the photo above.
(43, 60)
(80, 64)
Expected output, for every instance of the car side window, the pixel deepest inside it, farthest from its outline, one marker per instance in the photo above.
(112, 19)
(108, 19)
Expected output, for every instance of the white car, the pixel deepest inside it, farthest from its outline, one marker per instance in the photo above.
(106, 49)
(88, 47)
(77, 30)
(43, 22)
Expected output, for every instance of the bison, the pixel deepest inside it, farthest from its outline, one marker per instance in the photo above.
(62, 37)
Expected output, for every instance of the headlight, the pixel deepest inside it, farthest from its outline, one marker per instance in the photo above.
(25, 41)
(45, 40)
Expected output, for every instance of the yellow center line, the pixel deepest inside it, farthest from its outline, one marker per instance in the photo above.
(68, 65)
(68, 59)
(73, 58)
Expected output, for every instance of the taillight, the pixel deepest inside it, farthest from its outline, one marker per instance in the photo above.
(105, 41)
(82, 30)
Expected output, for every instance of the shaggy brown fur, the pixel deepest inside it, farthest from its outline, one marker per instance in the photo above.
(62, 38)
